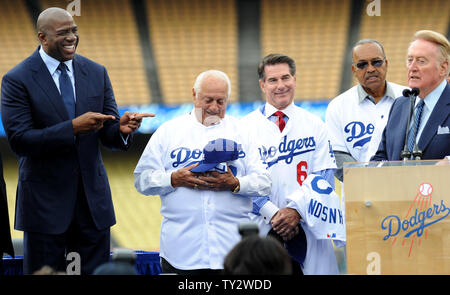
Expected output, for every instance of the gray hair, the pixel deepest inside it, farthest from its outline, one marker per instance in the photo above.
(214, 73)
(441, 42)
(369, 41)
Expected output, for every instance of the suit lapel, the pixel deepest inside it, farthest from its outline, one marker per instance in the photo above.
(45, 81)
(80, 86)
(399, 138)
(438, 115)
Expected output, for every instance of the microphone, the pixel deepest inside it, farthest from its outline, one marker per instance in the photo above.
(406, 93)
(406, 154)
(417, 154)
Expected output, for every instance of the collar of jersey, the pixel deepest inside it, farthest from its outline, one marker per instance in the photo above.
(270, 109)
(362, 94)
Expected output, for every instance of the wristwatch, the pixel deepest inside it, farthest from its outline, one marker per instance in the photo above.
(236, 189)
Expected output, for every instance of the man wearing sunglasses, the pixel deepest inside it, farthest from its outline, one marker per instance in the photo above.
(356, 118)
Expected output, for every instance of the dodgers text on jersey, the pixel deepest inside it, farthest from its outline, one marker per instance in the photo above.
(287, 150)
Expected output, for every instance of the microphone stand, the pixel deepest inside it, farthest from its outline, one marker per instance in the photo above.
(417, 153)
(406, 154)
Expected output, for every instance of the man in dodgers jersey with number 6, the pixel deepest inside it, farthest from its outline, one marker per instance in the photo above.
(292, 145)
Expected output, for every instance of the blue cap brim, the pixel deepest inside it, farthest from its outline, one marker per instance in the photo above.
(203, 167)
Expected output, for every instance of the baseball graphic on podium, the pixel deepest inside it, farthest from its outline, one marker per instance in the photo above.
(425, 189)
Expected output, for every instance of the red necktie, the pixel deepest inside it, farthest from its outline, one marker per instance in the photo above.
(281, 123)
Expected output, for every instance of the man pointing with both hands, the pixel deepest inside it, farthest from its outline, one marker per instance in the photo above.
(56, 108)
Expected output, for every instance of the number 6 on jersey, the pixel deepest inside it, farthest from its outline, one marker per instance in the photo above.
(302, 167)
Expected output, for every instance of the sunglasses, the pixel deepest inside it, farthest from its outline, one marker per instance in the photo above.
(364, 64)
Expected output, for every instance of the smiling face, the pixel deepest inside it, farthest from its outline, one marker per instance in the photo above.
(425, 69)
(278, 85)
(372, 78)
(58, 34)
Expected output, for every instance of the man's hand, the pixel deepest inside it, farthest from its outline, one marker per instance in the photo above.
(285, 223)
(89, 122)
(219, 181)
(130, 122)
(184, 177)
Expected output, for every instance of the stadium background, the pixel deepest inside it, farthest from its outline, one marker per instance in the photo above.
(153, 50)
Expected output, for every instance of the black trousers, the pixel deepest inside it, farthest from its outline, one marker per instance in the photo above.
(82, 237)
(167, 268)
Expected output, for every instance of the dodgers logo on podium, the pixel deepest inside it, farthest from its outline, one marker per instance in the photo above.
(413, 228)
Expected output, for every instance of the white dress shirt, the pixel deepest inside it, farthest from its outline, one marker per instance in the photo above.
(430, 101)
(52, 66)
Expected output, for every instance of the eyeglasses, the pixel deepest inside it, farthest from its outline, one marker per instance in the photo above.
(364, 64)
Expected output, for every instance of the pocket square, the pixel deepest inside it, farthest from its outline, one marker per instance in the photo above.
(443, 130)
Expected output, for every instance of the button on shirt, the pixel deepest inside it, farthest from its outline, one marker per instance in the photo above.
(199, 227)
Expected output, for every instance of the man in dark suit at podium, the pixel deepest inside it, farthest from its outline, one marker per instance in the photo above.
(428, 67)
(57, 107)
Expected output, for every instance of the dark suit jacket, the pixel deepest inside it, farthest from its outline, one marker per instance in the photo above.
(5, 232)
(432, 144)
(51, 158)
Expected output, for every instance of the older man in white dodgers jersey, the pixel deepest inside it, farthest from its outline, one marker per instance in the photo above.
(292, 143)
(201, 211)
(356, 118)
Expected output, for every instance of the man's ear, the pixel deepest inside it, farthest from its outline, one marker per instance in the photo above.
(193, 94)
(444, 68)
(261, 85)
(353, 70)
(42, 37)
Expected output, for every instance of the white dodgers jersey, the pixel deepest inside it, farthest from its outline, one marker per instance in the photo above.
(290, 156)
(302, 148)
(356, 127)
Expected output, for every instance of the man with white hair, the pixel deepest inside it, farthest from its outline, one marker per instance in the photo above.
(427, 67)
(201, 209)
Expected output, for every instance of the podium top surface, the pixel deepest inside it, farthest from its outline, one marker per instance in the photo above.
(442, 162)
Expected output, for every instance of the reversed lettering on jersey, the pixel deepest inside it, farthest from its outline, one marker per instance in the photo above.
(287, 150)
(184, 154)
(321, 210)
(325, 213)
(359, 132)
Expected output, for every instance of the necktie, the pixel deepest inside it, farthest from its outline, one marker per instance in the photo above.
(415, 126)
(281, 123)
(65, 86)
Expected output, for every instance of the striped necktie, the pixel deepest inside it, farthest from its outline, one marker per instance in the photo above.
(415, 126)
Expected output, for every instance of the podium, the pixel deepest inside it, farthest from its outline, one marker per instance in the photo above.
(397, 217)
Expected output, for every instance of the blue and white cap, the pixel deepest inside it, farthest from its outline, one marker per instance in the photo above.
(218, 151)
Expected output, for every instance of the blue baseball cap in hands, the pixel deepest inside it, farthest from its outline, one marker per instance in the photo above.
(218, 151)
